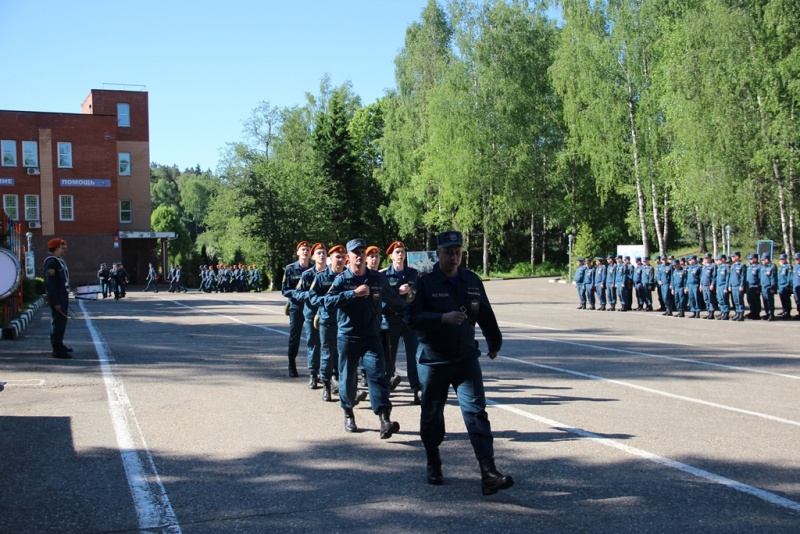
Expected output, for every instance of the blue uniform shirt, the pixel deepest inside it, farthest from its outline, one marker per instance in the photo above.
(737, 274)
(693, 274)
(784, 276)
(580, 272)
(396, 279)
(316, 294)
(611, 274)
(709, 274)
(678, 280)
(647, 275)
(753, 276)
(723, 278)
(769, 276)
(291, 279)
(600, 275)
(360, 316)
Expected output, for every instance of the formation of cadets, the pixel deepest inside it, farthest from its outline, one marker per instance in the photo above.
(229, 278)
(684, 285)
(112, 280)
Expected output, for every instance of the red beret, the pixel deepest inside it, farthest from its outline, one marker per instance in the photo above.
(54, 243)
(396, 244)
(302, 244)
(337, 248)
(372, 249)
(315, 246)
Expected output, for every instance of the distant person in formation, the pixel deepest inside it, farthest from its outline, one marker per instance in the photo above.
(319, 256)
(447, 305)
(577, 281)
(289, 287)
(56, 283)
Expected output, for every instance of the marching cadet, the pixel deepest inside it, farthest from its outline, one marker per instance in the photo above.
(678, 287)
(588, 283)
(357, 295)
(796, 282)
(694, 273)
(769, 286)
(600, 282)
(637, 284)
(785, 286)
(373, 258)
(611, 282)
(320, 258)
(754, 287)
(104, 277)
(401, 279)
(255, 278)
(291, 278)
(577, 281)
(647, 284)
(708, 278)
(737, 283)
(329, 353)
(152, 278)
(722, 285)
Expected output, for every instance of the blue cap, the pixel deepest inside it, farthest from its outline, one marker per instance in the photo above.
(580, 260)
(708, 255)
(356, 243)
(609, 257)
(751, 256)
(721, 257)
(736, 253)
(449, 239)
(627, 258)
(676, 262)
(638, 259)
(598, 258)
(765, 256)
(671, 257)
(782, 257)
(646, 258)
(693, 257)
(619, 257)
(797, 255)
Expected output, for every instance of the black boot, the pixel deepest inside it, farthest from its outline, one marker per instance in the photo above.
(680, 314)
(434, 467)
(360, 396)
(293, 368)
(603, 307)
(668, 313)
(313, 380)
(388, 427)
(417, 396)
(349, 420)
(491, 479)
(61, 353)
(326, 391)
(363, 378)
(334, 386)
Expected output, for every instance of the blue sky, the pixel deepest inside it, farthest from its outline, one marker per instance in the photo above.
(205, 65)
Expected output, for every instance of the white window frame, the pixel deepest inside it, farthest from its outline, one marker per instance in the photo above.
(66, 208)
(9, 152)
(64, 155)
(31, 207)
(30, 154)
(123, 115)
(124, 163)
(129, 211)
(11, 206)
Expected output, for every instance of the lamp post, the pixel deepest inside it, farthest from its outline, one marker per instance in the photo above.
(30, 261)
(728, 239)
(571, 241)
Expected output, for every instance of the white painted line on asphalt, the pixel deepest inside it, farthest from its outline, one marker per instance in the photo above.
(650, 355)
(655, 391)
(701, 473)
(234, 319)
(150, 500)
(27, 383)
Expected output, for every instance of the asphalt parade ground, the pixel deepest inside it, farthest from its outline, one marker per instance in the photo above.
(177, 414)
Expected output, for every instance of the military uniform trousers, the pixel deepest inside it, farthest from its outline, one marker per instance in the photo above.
(58, 324)
(329, 351)
(612, 294)
(601, 295)
(723, 301)
(785, 294)
(624, 300)
(710, 298)
(694, 298)
(314, 345)
(467, 381)
(796, 290)
(680, 299)
(589, 290)
(368, 351)
(737, 299)
(768, 299)
(296, 322)
(581, 293)
(666, 296)
(754, 299)
(646, 295)
(398, 331)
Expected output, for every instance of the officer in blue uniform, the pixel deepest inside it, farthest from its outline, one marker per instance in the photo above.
(448, 304)
(722, 287)
(659, 277)
(753, 288)
(357, 296)
(401, 279)
(785, 286)
(624, 281)
(648, 283)
(600, 282)
(588, 284)
(693, 274)
(737, 281)
(666, 283)
(611, 282)
(769, 286)
(708, 277)
(577, 279)
(56, 283)
(291, 279)
(796, 282)
(637, 283)
(319, 258)
(678, 288)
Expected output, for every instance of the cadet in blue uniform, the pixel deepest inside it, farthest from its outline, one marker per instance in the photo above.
(577, 280)
(637, 283)
(624, 277)
(401, 279)
(666, 283)
(448, 303)
(678, 287)
(319, 257)
(56, 283)
(659, 277)
(722, 287)
(796, 282)
(754, 287)
(708, 277)
(611, 283)
(600, 282)
(588, 284)
(291, 278)
(357, 296)
(648, 283)
(693, 275)
(785, 286)
(769, 286)
(737, 282)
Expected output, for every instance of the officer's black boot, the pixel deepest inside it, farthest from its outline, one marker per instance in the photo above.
(335, 386)
(680, 314)
(668, 313)
(360, 396)
(326, 391)
(388, 427)
(434, 467)
(491, 479)
(711, 315)
(603, 307)
(364, 378)
(613, 306)
(61, 353)
(417, 396)
(293, 368)
(313, 380)
(349, 420)
(769, 317)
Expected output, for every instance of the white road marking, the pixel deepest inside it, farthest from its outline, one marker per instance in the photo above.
(27, 383)
(150, 500)
(234, 319)
(701, 473)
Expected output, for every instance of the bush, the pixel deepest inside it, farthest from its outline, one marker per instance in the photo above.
(32, 289)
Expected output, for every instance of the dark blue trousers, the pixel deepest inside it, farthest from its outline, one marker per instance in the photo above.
(398, 331)
(329, 351)
(314, 346)
(58, 325)
(369, 351)
(296, 322)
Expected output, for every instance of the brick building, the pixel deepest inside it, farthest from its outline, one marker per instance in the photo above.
(84, 177)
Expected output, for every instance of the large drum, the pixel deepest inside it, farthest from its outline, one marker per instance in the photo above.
(10, 273)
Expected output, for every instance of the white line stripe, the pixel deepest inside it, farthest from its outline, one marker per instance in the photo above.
(153, 508)
(701, 473)
(655, 391)
(234, 319)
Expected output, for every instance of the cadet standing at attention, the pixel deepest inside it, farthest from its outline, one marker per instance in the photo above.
(785, 286)
(694, 272)
(708, 278)
(448, 303)
(647, 284)
(754, 287)
(678, 287)
(577, 280)
(291, 279)
(588, 283)
(796, 282)
(769, 286)
(611, 283)
(722, 286)
(600, 282)
(737, 281)
(356, 296)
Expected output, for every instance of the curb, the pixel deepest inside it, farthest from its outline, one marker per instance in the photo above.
(15, 327)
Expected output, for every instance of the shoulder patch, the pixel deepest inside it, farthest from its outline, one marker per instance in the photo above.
(51, 272)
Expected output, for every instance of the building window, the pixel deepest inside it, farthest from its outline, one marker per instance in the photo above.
(125, 211)
(31, 207)
(10, 206)
(124, 163)
(124, 115)
(30, 154)
(65, 212)
(65, 155)
(9, 149)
